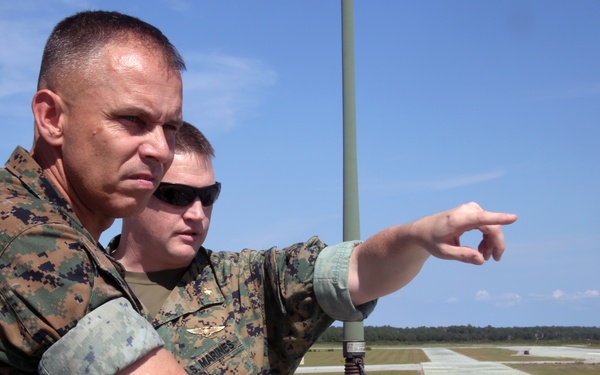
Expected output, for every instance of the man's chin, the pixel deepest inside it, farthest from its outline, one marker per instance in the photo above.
(184, 253)
(131, 206)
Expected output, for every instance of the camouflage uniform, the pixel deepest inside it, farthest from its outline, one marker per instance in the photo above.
(256, 312)
(53, 273)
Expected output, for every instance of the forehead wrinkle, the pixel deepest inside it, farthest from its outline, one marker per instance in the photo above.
(134, 65)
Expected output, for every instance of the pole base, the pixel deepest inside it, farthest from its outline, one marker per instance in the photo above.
(354, 366)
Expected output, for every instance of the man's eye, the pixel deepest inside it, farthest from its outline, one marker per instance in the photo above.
(169, 127)
(131, 119)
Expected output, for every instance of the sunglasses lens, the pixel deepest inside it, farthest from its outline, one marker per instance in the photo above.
(183, 195)
(176, 195)
(209, 194)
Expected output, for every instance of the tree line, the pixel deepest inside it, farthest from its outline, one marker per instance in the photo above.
(468, 334)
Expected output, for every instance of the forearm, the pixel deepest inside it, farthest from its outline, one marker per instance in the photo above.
(385, 262)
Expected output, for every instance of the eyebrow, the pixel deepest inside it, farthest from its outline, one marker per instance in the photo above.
(141, 112)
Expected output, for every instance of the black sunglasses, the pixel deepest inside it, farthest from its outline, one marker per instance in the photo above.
(184, 195)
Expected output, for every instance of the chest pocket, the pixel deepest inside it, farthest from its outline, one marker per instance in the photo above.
(222, 353)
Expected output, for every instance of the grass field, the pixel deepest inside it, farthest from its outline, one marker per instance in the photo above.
(327, 356)
(390, 373)
(533, 369)
(501, 355)
(330, 357)
(557, 368)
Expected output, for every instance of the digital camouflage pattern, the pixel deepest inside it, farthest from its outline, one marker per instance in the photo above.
(252, 312)
(52, 272)
(102, 354)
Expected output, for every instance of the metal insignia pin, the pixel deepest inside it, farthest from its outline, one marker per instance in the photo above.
(206, 331)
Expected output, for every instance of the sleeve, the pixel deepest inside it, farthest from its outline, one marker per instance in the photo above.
(45, 284)
(49, 280)
(292, 316)
(331, 284)
(114, 330)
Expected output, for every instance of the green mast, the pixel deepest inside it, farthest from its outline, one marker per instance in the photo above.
(354, 344)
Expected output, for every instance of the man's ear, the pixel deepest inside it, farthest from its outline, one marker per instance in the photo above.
(48, 108)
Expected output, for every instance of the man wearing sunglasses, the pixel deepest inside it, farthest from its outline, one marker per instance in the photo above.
(258, 312)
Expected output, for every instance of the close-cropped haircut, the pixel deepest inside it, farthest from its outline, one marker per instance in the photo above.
(189, 139)
(77, 39)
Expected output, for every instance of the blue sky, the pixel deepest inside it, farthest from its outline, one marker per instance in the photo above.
(495, 102)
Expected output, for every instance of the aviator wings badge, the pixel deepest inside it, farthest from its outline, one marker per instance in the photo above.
(206, 331)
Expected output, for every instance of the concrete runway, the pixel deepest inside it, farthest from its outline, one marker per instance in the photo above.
(447, 362)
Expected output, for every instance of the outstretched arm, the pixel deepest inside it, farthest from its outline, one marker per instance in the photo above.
(390, 259)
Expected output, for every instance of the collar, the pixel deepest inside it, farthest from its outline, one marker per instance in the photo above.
(197, 289)
(30, 173)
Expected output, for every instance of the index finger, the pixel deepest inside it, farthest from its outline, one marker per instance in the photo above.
(479, 219)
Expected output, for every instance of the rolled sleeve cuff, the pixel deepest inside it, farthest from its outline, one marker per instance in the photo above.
(331, 284)
(105, 341)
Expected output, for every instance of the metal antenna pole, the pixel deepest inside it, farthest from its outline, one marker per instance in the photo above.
(354, 344)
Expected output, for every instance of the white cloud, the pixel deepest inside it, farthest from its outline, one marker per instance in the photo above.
(219, 89)
(452, 300)
(591, 293)
(443, 184)
(482, 295)
(500, 300)
(464, 180)
(508, 299)
(576, 296)
(558, 295)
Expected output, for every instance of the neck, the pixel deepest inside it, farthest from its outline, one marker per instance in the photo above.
(128, 253)
(54, 171)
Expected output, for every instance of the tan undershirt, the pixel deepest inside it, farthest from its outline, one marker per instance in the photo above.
(153, 288)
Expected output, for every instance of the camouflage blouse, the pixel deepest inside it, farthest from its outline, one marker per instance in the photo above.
(249, 312)
(52, 272)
